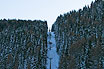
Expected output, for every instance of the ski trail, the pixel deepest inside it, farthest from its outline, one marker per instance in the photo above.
(53, 58)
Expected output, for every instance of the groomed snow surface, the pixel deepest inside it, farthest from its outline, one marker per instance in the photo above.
(53, 58)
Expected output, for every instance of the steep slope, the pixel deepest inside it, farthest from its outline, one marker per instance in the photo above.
(53, 58)
(80, 37)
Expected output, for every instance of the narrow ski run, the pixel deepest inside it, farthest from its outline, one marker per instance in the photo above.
(53, 58)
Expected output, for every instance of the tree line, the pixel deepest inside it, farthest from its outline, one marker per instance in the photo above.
(23, 44)
(80, 37)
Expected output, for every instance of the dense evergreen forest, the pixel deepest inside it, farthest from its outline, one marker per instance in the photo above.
(79, 41)
(23, 44)
(80, 37)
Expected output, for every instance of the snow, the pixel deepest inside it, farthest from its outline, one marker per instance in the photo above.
(53, 57)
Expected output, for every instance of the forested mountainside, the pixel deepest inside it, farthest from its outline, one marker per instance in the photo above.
(23, 44)
(80, 37)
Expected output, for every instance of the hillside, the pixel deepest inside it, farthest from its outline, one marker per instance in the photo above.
(23, 44)
(80, 37)
(76, 41)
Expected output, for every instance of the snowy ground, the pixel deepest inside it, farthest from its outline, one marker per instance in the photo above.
(53, 58)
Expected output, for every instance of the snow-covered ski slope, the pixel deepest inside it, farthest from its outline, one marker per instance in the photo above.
(53, 58)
